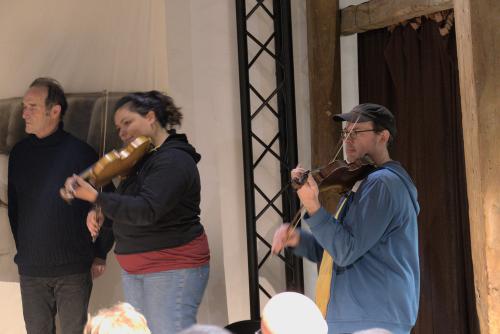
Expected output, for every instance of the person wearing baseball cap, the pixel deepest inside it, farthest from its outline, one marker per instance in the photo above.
(369, 279)
(380, 116)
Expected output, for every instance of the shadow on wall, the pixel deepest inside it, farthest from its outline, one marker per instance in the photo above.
(8, 269)
(85, 118)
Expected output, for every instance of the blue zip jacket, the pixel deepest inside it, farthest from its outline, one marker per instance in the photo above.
(374, 244)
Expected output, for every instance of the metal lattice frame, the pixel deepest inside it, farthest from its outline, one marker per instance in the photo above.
(285, 137)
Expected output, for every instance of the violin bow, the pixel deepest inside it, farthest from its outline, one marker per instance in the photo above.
(342, 141)
(102, 149)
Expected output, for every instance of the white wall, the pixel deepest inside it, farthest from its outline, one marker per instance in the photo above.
(10, 296)
(203, 78)
(88, 46)
(349, 64)
(202, 72)
(118, 45)
(302, 101)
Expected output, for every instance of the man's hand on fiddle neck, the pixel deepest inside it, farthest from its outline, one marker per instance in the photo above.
(308, 192)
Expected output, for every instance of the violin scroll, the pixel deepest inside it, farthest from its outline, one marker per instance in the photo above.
(298, 182)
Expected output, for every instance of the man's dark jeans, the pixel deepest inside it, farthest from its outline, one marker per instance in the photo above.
(43, 297)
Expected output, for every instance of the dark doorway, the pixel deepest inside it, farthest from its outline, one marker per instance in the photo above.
(412, 69)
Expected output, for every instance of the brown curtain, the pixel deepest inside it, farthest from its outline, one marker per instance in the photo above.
(412, 70)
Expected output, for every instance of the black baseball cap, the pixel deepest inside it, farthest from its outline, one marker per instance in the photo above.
(366, 112)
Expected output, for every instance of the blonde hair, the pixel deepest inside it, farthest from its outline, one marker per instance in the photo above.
(122, 318)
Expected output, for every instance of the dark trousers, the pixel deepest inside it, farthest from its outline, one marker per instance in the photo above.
(43, 297)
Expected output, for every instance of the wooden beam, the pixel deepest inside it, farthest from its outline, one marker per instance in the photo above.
(323, 39)
(478, 46)
(377, 14)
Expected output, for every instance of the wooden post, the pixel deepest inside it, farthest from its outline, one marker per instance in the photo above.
(323, 24)
(478, 47)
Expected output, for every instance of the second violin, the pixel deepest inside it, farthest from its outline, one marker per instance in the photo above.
(112, 164)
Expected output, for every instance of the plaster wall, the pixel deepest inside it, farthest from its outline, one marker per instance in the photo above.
(202, 76)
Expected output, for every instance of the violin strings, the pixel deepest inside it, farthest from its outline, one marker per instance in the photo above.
(344, 140)
(340, 146)
(295, 221)
(104, 128)
(105, 123)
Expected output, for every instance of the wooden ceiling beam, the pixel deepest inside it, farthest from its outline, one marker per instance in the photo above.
(377, 14)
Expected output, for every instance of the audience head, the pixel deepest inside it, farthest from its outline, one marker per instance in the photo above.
(204, 329)
(292, 313)
(119, 319)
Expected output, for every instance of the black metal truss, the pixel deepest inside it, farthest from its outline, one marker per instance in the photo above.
(280, 14)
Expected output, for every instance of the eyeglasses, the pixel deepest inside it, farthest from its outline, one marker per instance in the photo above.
(353, 133)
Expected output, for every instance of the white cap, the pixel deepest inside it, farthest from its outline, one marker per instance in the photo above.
(293, 313)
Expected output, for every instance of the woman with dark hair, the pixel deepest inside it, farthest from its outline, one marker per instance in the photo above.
(160, 242)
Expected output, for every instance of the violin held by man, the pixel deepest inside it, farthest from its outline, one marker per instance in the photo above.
(338, 175)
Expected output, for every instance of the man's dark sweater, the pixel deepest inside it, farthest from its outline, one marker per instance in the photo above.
(50, 235)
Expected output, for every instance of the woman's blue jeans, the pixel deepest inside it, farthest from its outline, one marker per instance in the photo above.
(169, 299)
